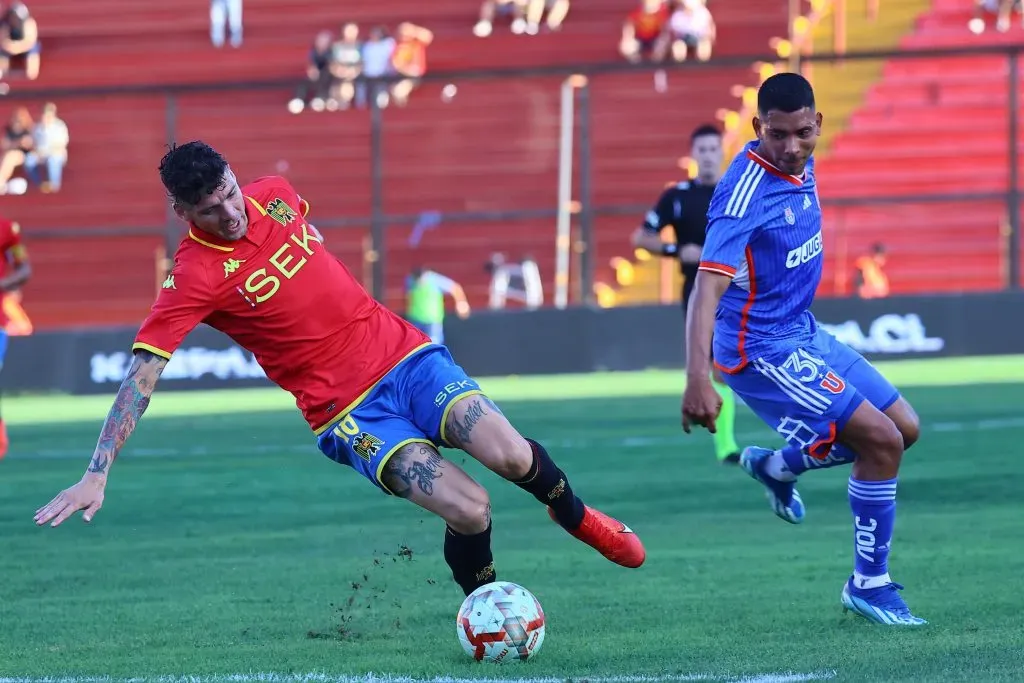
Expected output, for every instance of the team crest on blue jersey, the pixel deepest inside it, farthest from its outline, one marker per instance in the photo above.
(790, 216)
(367, 446)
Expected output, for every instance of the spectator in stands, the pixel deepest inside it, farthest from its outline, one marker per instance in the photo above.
(502, 8)
(644, 33)
(16, 144)
(409, 59)
(51, 149)
(319, 79)
(692, 28)
(377, 53)
(556, 9)
(229, 13)
(516, 281)
(1001, 9)
(425, 304)
(346, 67)
(870, 278)
(19, 39)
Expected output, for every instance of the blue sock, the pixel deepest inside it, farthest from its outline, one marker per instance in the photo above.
(798, 461)
(874, 515)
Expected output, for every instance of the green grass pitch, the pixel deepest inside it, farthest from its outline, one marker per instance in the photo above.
(230, 549)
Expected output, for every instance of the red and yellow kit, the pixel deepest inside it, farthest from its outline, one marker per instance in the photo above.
(280, 294)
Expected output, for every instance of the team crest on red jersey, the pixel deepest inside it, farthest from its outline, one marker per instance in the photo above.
(281, 212)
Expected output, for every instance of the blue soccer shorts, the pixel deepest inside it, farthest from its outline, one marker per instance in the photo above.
(807, 393)
(408, 405)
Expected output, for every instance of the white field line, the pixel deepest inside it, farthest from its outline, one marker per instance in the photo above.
(780, 677)
(309, 447)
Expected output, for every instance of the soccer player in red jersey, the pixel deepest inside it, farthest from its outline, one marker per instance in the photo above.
(14, 272)
(378, 395)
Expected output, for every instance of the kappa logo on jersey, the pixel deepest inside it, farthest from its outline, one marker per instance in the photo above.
(366, 446)
(231, 265)
(281, 212)
(807, 202)
(805, 252)
(790, 216)
(169, 283)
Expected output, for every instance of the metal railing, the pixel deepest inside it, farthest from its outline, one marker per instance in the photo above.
(575, 208)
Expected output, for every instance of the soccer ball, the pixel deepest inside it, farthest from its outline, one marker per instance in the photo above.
(500, 622)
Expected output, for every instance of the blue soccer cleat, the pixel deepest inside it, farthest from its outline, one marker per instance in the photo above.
(882, 605)
(782, 495)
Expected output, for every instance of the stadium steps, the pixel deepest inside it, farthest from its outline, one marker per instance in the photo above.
(717, 97)
(493, 147)
(903, 139)
(840, 87)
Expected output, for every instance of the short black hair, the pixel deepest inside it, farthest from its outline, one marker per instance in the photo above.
(705, 129)
(192, 171)
(785, 92)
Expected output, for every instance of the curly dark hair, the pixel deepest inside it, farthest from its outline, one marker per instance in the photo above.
(192, 171)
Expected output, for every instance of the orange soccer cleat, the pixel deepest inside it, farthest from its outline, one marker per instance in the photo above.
(610, 537)
(3, 439)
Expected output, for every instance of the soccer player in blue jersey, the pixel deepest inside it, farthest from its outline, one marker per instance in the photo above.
(759, 270)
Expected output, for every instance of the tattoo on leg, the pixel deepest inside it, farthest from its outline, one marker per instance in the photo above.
(418, 466)
(460, 430)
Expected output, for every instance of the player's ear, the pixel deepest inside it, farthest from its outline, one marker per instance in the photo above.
(818, 120)
(756, 123)
(180, 211)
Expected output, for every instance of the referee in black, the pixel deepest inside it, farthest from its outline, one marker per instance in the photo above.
(684, 208)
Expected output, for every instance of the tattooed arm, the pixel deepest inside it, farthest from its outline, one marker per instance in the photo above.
(129, 405)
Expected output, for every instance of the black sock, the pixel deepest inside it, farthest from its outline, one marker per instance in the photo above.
(550, 486)
(469, 558)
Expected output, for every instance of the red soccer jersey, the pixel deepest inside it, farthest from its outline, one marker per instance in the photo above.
(13, 252)
(280, 294)
(648, 25)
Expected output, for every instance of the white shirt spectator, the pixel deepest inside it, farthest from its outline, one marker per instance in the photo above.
(695, 20)
(51, 138)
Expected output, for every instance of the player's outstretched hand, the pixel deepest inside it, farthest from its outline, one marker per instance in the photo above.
(86, 495)
(701, 405)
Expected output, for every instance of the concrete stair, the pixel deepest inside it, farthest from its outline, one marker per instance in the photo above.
(841, 87)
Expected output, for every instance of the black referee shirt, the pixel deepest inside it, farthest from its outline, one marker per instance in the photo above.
(685, 208)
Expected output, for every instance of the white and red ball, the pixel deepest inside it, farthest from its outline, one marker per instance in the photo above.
(501, 622)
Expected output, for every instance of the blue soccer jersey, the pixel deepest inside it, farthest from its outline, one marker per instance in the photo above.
(764, 231)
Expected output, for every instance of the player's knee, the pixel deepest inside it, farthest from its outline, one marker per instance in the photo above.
(471, 512)
(513, 458)
(885, 444)
(911, 431)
